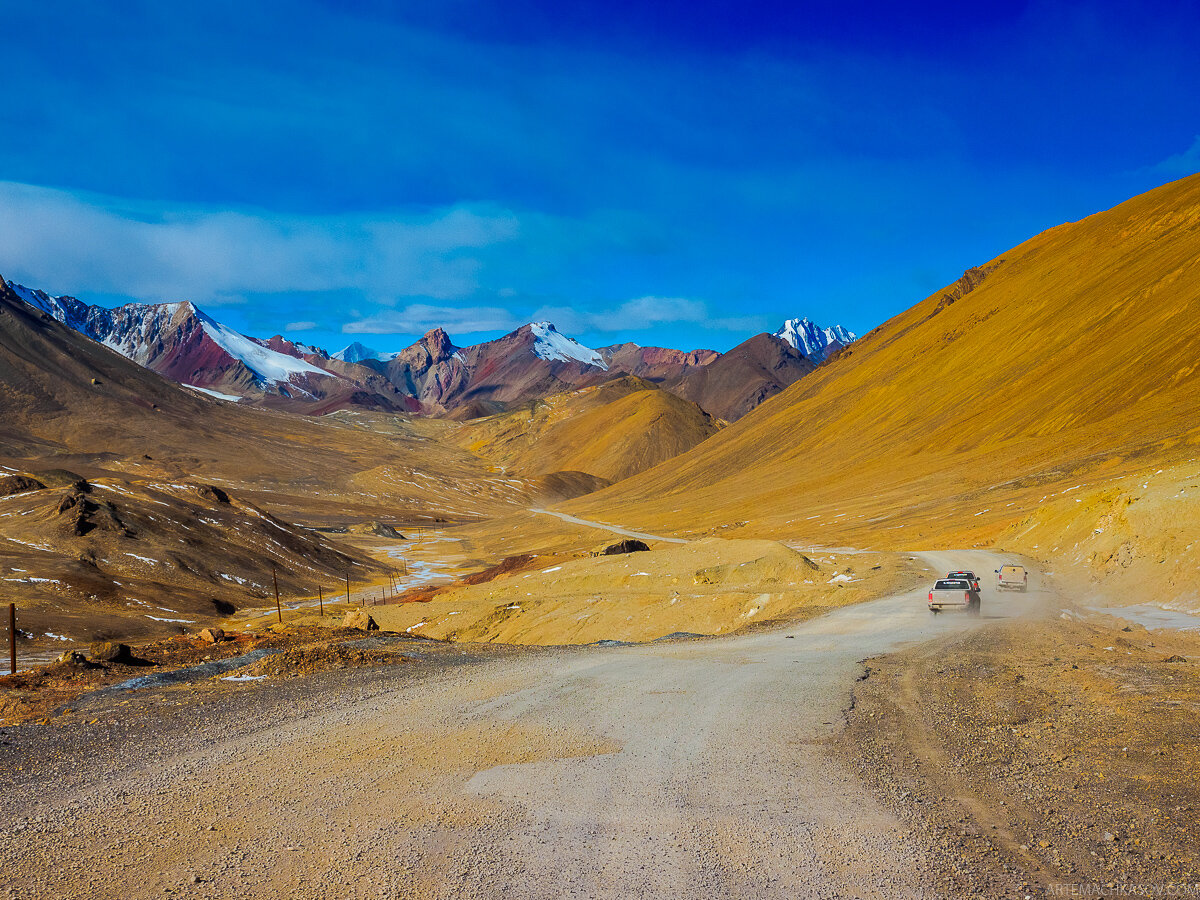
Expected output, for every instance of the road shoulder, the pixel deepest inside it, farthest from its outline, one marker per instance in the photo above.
(1056, 755)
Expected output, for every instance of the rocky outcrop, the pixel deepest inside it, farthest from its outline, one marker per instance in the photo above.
(360, 619)
(18, 484)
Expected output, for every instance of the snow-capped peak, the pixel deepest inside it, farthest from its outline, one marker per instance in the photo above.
(267, 364)
(550, 345)
(68, 310)
(812, 340)
(356, 352)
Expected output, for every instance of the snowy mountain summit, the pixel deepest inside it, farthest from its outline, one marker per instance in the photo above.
(357, 352)
(812, 340)
(550, 345)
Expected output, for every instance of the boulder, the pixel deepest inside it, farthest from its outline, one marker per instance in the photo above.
(360, 619)
(212, 492)
(1175, 658)
(212, 635)
(75, 658)
(111, 651)
(629, 545)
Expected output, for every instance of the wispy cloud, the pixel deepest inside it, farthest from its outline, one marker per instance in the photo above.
(418, 318)
(1185, 163)
(645, 313)
(641, 314)
(300, 326)
(105, 245)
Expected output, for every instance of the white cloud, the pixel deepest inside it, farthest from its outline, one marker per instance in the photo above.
(1185, 163)
(632, 315)
(300, 326)
(418, 318)
(104, 245)
(644, 313)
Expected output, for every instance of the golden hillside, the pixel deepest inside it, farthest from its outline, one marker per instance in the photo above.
(611, 431)
(1071, 358)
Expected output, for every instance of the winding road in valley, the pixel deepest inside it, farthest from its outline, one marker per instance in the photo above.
(615, 529)
(689, 768)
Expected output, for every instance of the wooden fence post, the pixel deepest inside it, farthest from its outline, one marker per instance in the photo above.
(12, 638)
(275, 578)
(321, 599)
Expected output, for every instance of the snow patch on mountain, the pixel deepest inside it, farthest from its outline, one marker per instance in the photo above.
(812, 340)
(550, 345)
(357, 352)
(266, 364)
(68, 310)
(136, 329)
(232, 398)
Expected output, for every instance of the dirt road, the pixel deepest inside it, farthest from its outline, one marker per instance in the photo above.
(615, 529)
(695, 768)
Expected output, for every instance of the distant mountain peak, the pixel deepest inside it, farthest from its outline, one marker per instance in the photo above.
(550, 344)
(812, 340)
(438, 342)
(356, 353)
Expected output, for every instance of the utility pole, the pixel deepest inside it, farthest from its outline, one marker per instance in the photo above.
(321, 599)
(12, 639)
(347, 587)
(275, 578)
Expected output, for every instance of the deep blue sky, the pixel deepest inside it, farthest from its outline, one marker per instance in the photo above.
(676, 173)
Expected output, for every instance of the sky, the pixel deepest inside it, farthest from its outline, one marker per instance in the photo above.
(675, 174)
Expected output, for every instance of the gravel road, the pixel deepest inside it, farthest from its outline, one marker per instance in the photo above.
(615, 529)
(691, 768)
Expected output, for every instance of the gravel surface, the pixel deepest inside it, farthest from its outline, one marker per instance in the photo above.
(691, 768)
(1057, 760)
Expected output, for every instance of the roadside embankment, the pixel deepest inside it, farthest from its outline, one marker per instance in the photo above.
(711, 586)
(1064, 751)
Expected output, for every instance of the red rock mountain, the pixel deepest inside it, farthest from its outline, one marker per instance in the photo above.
(741, 379)
(183, 343)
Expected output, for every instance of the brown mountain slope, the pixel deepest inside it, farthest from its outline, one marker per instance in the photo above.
(149, 528)
(731, 386)
(610, 431)
(136, 559)
(1069, 360)
(655, 363)
(69, 402)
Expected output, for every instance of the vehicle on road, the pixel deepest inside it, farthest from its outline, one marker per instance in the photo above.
(1010, 578)
(970, 576)
(954, 593)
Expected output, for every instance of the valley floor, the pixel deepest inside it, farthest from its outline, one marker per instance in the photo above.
(688, 768)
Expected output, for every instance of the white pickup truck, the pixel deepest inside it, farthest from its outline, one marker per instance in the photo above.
(954, 593)
(1012, 578)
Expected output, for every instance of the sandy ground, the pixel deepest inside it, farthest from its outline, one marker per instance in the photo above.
(696, 768)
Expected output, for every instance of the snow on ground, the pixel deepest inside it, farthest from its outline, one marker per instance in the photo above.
(232, 398)
(551, 345)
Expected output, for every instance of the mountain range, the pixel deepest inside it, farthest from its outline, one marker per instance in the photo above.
(1045, 403)
(433, 376)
